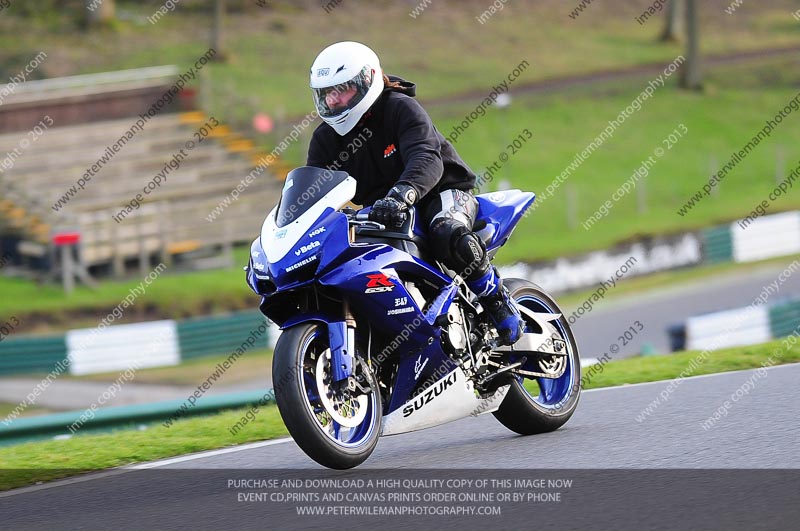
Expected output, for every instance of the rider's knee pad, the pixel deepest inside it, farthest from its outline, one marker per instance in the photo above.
(459, 248)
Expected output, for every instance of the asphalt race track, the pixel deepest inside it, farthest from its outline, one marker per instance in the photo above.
(659, 309)
(603, 449)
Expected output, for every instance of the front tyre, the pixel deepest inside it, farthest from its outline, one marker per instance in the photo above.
(336, 428)
(554, 400)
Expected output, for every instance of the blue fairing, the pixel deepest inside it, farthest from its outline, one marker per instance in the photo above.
(371, 282)
(501, 211)
(313, 252)
(257, 269)
(371, 278)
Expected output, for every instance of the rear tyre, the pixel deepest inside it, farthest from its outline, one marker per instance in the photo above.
(337, 430)
(527, 413)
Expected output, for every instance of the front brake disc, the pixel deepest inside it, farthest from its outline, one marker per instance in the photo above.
(343, 408)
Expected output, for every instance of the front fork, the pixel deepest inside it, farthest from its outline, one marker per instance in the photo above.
(342, 340)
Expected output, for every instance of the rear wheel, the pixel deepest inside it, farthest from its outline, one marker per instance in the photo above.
(337, 428)
(550, 402)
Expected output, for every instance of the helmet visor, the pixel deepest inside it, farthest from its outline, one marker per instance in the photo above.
(337, 99)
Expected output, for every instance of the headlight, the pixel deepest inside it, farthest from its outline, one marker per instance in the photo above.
(260, 283)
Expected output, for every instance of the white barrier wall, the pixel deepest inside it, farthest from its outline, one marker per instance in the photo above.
(742, 326)
(591, 269)
(767, 237)
(120, 347)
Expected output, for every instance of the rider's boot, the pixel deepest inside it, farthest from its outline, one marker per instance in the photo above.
(502, 311)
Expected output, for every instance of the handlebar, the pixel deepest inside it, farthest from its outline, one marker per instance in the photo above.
(362, 219)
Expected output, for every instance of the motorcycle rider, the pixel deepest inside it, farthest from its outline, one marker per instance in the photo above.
(376, 131)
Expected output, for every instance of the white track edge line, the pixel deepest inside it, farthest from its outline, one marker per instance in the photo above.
(698, 377)
(207, 453)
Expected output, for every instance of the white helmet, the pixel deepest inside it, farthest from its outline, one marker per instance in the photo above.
(339, 69)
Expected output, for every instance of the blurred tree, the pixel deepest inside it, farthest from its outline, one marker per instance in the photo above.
(217, 30)
(673, 21)
(691, 77)
(99, 11)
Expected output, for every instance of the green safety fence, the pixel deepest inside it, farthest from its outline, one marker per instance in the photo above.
(207, 336)
(784, 318)
(121, 417)
(19, 355)
(717, 244)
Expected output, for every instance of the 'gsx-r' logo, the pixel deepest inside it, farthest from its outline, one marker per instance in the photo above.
(378, 283)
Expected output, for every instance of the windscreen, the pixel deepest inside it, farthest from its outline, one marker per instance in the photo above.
(303, 188)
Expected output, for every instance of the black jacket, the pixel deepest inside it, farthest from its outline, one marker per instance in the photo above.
(394, 142)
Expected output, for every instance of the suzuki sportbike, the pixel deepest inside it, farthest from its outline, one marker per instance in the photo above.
(378, 338)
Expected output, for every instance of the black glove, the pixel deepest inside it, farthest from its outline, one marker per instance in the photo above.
(392, 210)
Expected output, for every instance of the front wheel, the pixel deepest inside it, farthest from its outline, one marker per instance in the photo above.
(543, 404)
(337, 428)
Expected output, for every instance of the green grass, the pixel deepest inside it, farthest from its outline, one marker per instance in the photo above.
(32, 462)
(445, 49)
(719, 121)
(7, 408)
(655, 368)
(171, 295)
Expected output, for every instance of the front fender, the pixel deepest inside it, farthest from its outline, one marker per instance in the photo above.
(341, 341)
(321, 317)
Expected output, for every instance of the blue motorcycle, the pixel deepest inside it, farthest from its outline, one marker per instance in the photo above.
(379, 339)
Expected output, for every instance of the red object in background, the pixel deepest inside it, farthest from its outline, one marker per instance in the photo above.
(67, 238)
(188, 99)
(262, 123)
